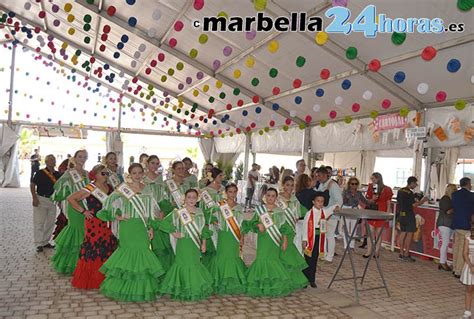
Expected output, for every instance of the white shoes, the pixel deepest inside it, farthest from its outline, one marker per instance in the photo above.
(467, 314)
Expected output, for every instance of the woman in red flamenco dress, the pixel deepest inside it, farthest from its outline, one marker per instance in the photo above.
(99, 241)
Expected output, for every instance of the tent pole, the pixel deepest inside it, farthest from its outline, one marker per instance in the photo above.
(246, 155)
(12, 85)
(306, 147)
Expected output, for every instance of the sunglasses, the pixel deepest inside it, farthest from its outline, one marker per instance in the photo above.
(105, 173)
(356, 184)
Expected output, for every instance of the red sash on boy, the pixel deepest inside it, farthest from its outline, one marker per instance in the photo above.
(322, 233)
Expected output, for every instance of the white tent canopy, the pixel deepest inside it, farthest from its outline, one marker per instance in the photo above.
(143, 67)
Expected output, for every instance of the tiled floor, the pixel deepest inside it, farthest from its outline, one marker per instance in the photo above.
(30, 288)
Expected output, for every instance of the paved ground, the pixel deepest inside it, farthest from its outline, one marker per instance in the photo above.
(30, 288)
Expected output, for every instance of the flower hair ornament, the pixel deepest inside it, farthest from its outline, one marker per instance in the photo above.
(209, 177)
(92, 175)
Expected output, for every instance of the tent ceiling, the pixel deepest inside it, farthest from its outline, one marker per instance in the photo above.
(149, 57)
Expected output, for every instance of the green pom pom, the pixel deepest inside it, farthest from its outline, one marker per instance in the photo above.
(460, 105)
(323, 123)
(351, 53)
(300, 61)
(398, 38)
(273, 72)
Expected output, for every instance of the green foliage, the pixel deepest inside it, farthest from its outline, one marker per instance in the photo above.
(28, 141)
(239, 172)
(192, 152)
(226, 168)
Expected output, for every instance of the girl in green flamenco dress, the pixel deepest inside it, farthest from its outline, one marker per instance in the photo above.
(161, 242)
(132, 272)
(69, 240)
(187, 279)
(227, 268)
(291, 258)
(267, 276)
(212, 194)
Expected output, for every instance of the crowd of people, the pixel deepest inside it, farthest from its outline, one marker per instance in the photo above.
(145, 235)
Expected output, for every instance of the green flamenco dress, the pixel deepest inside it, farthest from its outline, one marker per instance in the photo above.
(211, 223)
(267, 276)
(69, 241)
(192, 181)
(291, 257)
(187, 279)
(160, 243)
(132, 272)
(227, 268)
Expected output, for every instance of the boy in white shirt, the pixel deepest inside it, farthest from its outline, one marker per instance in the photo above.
(314, 233)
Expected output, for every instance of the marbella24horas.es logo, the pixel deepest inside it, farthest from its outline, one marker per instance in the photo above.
(367, 22)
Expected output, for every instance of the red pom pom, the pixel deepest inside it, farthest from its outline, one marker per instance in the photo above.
(428, 53)
(374, 65)
(325, 73)
(276, 90)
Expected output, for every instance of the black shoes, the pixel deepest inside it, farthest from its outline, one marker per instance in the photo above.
(313, 285)
(364, 243)
(48, 246)
(39, 249)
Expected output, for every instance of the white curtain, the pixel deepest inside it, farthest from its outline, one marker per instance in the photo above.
(206, 146)
(448, 168)
(9, 151)
(367, 165)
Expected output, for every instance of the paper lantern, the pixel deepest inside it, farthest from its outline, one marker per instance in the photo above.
(321, 38)
(367, 95)
(227, 51)
(316, 108)
(203, 38)
(346, 84)
(250, 61)
(374, 65)
(297, 83)
(178, 26)
(398, 38)
(324, 74)
(453, 65)
(422, 88)
(460, 105)
(441, 96)
(440, 134)
(172, 42)
(355, 107)
(351, 53)
(273, 72)
(260, 5)
(250, 35)
(156, 15)
(386, 103)
(465, 5)
(273, 46)
(198, 4)
(428, 53)
(300, 61)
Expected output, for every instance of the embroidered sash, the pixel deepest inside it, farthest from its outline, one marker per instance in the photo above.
(113, 178)
(50, 176)
(209, 202)
(190, 226)
(136, 201)
(230, 220)
(96, 192)
(267, 222)
(311, 233)
(77, 180)
(175, 192)
(290, 214)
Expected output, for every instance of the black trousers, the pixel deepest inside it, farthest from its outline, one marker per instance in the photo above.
(312, 261)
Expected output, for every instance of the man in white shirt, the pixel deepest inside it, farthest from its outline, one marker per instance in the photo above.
(252, 179)
(334, 193)
(300, 167)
